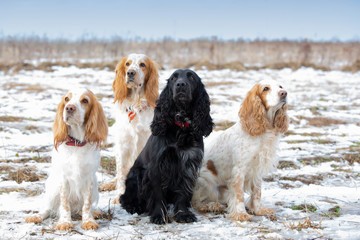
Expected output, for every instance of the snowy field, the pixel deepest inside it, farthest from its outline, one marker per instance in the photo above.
(314, 191)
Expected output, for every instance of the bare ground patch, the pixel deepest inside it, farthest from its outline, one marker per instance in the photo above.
(287, 165)
(109, 165)
(6, 169)
(216, 84)
(305, 179)
(29, 174)
(11, 119)
(310, 134)
(317, 160)
(45, 159)
(322, 121)
(223, 125)
(23, 87)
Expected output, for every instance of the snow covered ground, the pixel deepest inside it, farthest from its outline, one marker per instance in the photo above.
(319, 157)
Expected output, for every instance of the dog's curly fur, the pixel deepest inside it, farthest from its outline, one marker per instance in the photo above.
(166, 170)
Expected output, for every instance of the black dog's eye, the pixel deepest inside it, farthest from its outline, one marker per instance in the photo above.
(266, 89)
(85, 101)
(190, 76)
(127, 64)
(67, 99)
(173, 78)
(142, 64)
(280, 86)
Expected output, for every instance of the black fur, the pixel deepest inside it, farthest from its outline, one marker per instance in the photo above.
(166, 170)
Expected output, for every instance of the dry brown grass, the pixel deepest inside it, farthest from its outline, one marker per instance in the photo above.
(317, 160)
(216, 84)
(45, 159)
(5, 169)
(11, 119)
(109, 165)
(22, 87)
(305, 179)
(25, 174)
(48, 66)
(287, 164)
(306, 224)
(322, 121)
(355, 67)
(212, 53)
(223, 125)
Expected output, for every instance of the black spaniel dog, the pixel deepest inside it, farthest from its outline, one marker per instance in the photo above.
(166, 170)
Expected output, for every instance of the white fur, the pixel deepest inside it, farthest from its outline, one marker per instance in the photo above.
(241, 161)
(73, 172)
(131, 136)
(130, 139)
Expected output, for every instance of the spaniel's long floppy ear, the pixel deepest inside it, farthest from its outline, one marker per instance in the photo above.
(96, 129)
(253, 113)
(119, 84)
(152, 83)
(162, 112)
(281, 121)
(202, 122)
(60, 129)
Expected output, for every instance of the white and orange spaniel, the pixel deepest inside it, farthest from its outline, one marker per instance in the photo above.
(79, 129)
(237, 159)
(136, 88)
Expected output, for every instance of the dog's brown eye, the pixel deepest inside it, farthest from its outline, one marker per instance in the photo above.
(266, 89)
(127, 64)
(190, 76)
(142, 64)
(85, 101)
(67, 99)
(280, 86)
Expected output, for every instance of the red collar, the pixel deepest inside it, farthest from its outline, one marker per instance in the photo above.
(186, 124)
(74, 142)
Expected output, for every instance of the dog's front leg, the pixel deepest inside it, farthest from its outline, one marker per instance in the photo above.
(159, 214)
(236, 205)
(254, 205)
(64, 223)
(88, 222)
(124, 161)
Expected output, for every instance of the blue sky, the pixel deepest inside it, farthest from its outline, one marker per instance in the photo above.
(188, 19)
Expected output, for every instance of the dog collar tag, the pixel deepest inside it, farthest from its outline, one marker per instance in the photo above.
(131, 116)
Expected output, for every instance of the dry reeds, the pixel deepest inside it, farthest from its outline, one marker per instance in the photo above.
(213, 53)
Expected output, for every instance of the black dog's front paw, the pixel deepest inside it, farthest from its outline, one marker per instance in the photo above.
(131, 207)
(159, 219)
(185, 217)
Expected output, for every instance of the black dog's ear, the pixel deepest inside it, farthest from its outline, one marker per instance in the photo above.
(202, 122)
(161, 119)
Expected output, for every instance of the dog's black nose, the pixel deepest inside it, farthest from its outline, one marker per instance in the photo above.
(70, 108)
(180, 84)
(131, 73)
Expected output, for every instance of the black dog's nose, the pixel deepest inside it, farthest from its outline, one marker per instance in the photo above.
(131, 73)
(180, 84)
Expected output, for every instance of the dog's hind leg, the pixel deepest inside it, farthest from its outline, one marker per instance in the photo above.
(51, 203)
